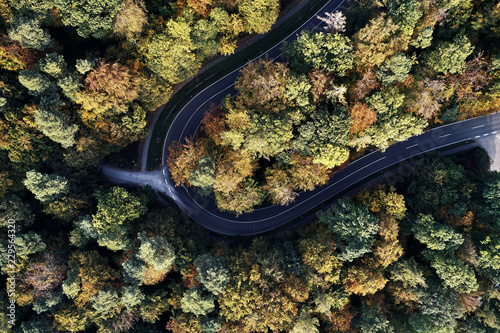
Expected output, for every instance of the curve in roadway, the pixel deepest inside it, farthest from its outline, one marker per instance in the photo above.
(203, 209)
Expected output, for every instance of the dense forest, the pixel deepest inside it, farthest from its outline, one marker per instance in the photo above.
(382, 73)
(78, 78)
(419, 253)
(414, 254)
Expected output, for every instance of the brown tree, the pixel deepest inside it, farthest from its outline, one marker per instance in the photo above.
(362, 117)
(306, 174)
(182, 159)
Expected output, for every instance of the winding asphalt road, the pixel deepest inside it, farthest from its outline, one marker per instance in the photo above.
(203, 209)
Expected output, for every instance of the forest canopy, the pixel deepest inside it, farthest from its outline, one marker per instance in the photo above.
(419, 252)
(382, 73)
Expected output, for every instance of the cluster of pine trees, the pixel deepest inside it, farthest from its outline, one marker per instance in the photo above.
(383, 73)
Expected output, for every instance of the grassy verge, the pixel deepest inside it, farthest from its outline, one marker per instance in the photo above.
(197, 84)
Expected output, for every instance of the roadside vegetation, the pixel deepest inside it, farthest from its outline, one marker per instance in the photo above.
(419, 253)
(384, 73)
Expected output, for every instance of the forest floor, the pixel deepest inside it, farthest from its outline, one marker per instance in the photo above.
(491, 144)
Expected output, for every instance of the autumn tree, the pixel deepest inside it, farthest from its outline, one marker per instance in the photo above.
(109, 89)
(362, 117)
(334, 22)
(130, 20)
(259, 15)
(365, 278)
(377, 41)
(262, 84)
(428, 99)
(88, 274)
(182, 160)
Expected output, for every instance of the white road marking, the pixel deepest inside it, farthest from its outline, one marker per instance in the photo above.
(164, 173)
(442, 136)
(416, 144)
(366, 166)
(485, 134)
(494, 132)
(477, 136)
(477, 126)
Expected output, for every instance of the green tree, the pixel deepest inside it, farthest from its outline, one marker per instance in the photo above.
(91, 18)
(210, 325)
(46, 187)
(304, 323)
(259, 15)
(437, 183)
(116, 207)
(453, 273)
(29, 33)
(156, 252)
(333, 53)
(104, 302)
(489, 253)
(449, 57)
(325, 137)
(354, 227)
(70, 85)
(26, 244)
(405, 13)
(57, 126)
(132, 296)
(196, 302)
(395, 69)
(171, 53)
(372, 320)
(424, 38)
(203, 177)
(12, 207)
(435, 235)
(54, 65)
(37, 83)
(212, 273)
